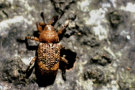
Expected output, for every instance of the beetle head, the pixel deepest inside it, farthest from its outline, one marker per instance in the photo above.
(48, 34)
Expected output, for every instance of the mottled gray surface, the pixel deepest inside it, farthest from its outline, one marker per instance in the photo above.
(101, 32)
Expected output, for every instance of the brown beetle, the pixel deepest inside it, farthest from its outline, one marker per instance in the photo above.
(48, 53)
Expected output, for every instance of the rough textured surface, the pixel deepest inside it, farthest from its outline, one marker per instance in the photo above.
(101, 32)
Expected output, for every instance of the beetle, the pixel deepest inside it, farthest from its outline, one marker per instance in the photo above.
(48, 54)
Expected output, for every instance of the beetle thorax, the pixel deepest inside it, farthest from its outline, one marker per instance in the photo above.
(49, 35)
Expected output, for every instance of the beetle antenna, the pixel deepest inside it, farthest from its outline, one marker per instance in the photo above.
(42, 15)
(53, 20)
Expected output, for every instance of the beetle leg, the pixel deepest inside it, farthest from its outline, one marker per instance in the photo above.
(31, 63)
(64, 74)
(39, 27)
(64, 59)
(32, 38)
(64, 69)
(61, 30)
(42, 24)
